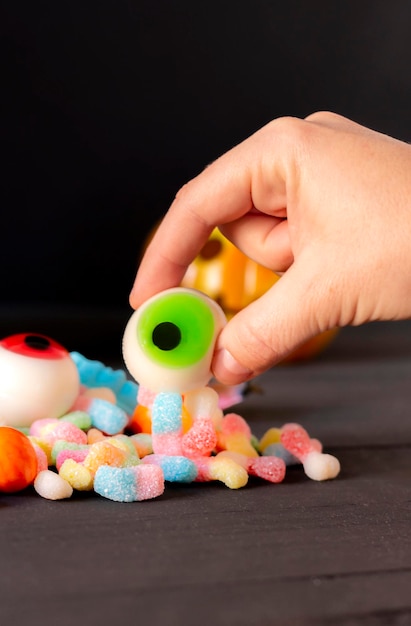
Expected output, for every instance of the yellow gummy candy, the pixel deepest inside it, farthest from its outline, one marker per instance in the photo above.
(104, 453)
(78, 476)
(122, 442)
(46, 447)
(238, 442)
(228, 472)
(273, 435)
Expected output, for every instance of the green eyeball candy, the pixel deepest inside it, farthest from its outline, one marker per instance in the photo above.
(176, 330)
(168, 342)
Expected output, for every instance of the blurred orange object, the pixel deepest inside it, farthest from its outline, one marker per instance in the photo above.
(18, 460)
(234, 281)
(140, 420)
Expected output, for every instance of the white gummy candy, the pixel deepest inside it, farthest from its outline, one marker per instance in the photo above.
(51, 486)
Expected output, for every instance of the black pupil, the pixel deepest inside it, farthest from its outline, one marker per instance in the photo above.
(166, 336)
(36, 342)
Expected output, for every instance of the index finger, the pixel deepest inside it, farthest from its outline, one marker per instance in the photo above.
(197, 209)
(225, 191)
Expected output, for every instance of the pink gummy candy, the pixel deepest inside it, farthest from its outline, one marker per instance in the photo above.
(203, 469)
(65, 431)
(201, 439)
(296, 440)
(77, 455)
(167, 443)
(38, 426)
(233, 424)
(145, 396)
(149, 481)
(42, 462)
(269, 468)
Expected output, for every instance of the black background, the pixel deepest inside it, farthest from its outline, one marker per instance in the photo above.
(108, 107)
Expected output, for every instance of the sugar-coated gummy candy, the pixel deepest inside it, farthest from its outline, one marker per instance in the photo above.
(269, 468)
(130, 484)
(224, 470)
(140, 421)
(81, 419)
(166, 413)
(145, 396)
(127, 396)
(105, 416)
(254, 442)
(149, 481)
(204, 403)
(116, 484)
(62, 444)
(104, 453)
(319, 466)
(296, 440)
(278, 450)
(96, 374)
(166, 424)
(235, 435)
(142, 443)
(201, 439)
(176, 469)
(271, 436)
(76, 454)
(94, 435)
(77, 475)
(103, 393)
(42, 459)
(270, 445)
(123, 443)
(40, 426)
(52, 486)
(65, 431)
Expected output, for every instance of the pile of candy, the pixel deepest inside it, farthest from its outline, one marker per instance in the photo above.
(103, 448)
(72, 424)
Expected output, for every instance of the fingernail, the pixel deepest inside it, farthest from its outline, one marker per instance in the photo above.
(227, 369)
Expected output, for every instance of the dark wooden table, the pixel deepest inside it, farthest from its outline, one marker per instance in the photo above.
(296, 553)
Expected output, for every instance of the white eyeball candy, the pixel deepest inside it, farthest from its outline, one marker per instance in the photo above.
(38, 379)
(169, 341)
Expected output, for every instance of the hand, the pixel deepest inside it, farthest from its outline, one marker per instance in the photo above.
(324, 200)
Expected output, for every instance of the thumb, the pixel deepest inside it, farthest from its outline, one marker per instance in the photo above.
(266, 331)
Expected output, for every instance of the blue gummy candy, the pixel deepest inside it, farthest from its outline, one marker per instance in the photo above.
(127, 397)
(277, 449)
(116, 483)
(88, 370)
(107, 416)
(166, 413)
(96, 374)
(178, 469)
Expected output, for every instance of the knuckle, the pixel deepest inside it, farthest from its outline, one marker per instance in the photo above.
(323, 117)
(288, 126)
(294, 133)
(255, 348)
(184, 192)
